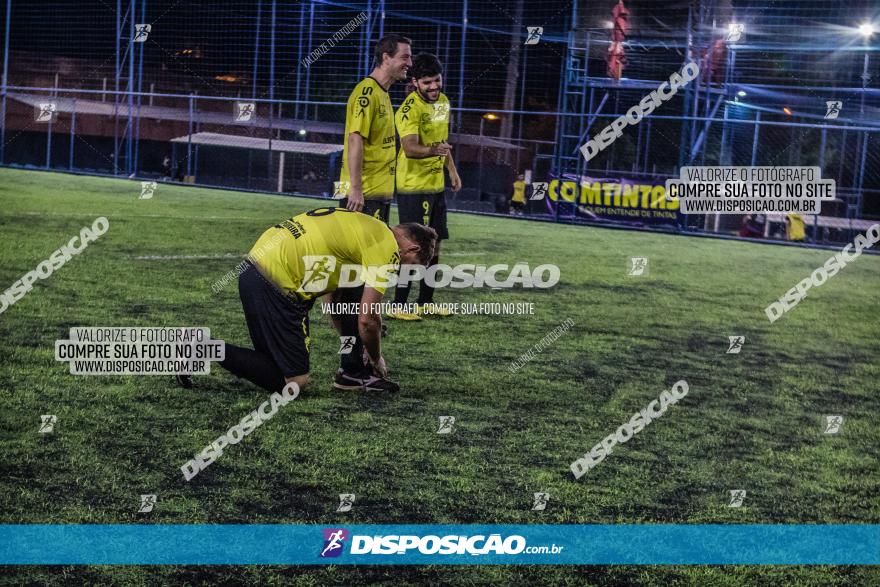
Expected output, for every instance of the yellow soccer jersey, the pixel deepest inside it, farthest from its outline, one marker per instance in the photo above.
(369, 114)
(430, 122)
(306, 254)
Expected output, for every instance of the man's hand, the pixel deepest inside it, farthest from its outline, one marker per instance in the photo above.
(441, 149)
(379, 367)
(456, 181)
(355, 200)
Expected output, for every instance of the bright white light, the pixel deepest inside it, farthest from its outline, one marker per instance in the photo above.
(740, 93)
(866, 29)
(302, 132)
(735, 32)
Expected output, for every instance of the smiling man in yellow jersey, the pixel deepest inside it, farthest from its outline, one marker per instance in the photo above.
(423, 125)
(297, 261)
(366, 181)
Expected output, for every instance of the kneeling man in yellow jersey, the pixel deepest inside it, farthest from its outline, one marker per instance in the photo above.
(299, 260)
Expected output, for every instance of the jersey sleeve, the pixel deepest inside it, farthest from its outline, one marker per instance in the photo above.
(359, 112)
(407, 118)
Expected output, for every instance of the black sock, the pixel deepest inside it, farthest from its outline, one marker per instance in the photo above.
(401, 294)
(426, 292)
(253, 366)
(353, 362)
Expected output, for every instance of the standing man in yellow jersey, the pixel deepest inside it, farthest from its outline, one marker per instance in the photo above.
(366, 181)
(297, 261)
(423, 125)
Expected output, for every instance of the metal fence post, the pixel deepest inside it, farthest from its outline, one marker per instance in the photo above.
(189, 138)
(72, 134)
(5, 82)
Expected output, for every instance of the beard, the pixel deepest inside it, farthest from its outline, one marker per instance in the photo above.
(425, 97)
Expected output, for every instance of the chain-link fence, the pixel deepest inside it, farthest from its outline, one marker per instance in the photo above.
(252, 95)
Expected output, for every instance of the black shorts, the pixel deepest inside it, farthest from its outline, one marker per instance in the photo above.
(380, 209)
(278, 324)
(427, 209)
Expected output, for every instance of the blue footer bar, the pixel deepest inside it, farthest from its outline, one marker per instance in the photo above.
(674, 544)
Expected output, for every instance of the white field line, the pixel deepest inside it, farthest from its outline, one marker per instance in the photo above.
(172, 257)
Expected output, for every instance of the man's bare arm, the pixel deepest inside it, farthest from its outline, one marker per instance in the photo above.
(415, 150)
(355, 171)
(453, 174)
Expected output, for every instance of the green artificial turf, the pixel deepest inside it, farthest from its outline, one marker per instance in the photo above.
(750, 421)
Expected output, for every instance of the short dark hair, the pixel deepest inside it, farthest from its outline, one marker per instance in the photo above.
(388, 44)
(424, 236)
(425, 65)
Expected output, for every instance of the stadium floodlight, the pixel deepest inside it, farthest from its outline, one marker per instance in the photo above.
(866, 29)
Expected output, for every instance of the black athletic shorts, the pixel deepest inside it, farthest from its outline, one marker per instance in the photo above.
(380, 209)
(278, 323)
(427, 209)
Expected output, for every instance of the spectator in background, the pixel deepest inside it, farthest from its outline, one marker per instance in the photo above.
(751, 227)
(518, 200)
(794, 228)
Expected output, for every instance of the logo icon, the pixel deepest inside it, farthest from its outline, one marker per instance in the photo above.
(447, 424)
(539, 190)
(47, 424)
(540, 503)
(141, 32)
(833, 109)
(736, 344)
(318, 269)
(734, 32)
(340, 189)
(346, 344)
(736, 497)
(638, 266)
(334, 540)
(147, 189)
(441, 111)
(833, 424)
(534, 35)
(346, 500)
(46, 112)
(244, 111)
(148, 502)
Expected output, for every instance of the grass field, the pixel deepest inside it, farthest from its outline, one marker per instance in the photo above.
(751, 421)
